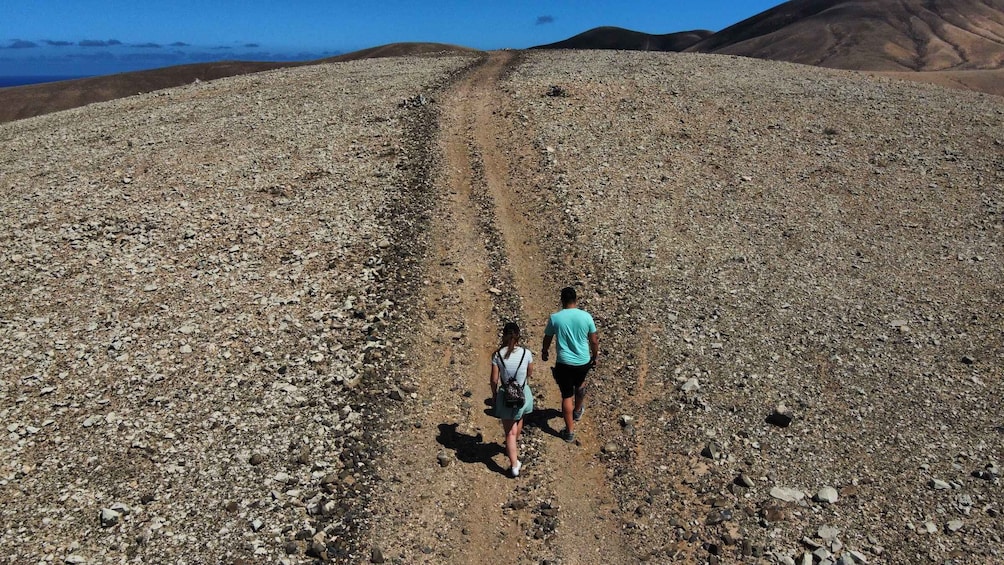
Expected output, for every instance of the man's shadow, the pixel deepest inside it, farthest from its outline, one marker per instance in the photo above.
(470, 448)
(541, 419)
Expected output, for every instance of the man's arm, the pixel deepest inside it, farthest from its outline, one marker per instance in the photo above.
(594, 347)
(545, 346)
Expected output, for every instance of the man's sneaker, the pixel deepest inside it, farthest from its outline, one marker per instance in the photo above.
(577, 414)
(568, 436)
(514, 470)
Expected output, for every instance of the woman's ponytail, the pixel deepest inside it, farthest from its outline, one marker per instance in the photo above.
(510, 337)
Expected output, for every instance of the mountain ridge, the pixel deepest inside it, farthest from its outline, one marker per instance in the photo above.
(612, 37)
(883, 35)
(869, 35)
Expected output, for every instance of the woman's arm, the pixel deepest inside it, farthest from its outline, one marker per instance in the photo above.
(494, 379)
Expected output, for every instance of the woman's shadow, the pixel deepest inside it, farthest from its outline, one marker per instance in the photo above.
(470, 448)
(539, 418)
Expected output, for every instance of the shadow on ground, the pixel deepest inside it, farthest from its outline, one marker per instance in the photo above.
(541, 419)
(470, 448)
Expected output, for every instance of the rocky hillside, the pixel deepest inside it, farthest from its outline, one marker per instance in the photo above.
(866, 35)
(201, 287)
(797, 278)
(209, 313)
(885, 35)
(959, 44)
(608, 37)
(20, 102)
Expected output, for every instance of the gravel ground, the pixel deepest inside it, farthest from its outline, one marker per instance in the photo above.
(199, 295)
(764, 241)
(797, 276)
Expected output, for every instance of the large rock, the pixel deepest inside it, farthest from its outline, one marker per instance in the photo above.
(781, 416)
(787, 494)
(109, 517)
(826, 495)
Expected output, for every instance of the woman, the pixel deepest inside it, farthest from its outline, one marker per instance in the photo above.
(510, 362)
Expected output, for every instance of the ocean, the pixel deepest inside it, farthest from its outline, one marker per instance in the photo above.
(23, 80)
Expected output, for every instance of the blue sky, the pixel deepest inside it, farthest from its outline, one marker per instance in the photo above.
(82, 37)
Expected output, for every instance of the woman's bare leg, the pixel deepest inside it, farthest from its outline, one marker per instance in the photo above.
(512, 429)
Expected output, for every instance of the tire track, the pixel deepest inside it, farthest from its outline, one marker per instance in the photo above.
(588, 531)
(484, 267)
(444, 486)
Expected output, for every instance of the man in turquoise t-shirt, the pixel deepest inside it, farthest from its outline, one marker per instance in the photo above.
(577, 347)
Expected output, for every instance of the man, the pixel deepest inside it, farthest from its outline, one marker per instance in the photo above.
(577, 347)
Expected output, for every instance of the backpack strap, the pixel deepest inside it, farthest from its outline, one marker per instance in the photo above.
(505, 370)
(522, 357)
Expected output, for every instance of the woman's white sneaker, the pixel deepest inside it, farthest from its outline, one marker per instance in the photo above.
(514, 470)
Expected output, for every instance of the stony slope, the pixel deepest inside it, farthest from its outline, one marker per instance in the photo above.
(200, 287)
(986, 81)
(20, 102)
(209, 309)
(755, 234)
(403, 49)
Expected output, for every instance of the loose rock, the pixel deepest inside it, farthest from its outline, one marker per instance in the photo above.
(938, 484)
(444, 459)
(827, 495)
(787, 494)
(713, 451)
(109, 517)
(780, 417)
(828, 533)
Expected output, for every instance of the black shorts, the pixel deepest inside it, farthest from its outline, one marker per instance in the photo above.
(569, 377)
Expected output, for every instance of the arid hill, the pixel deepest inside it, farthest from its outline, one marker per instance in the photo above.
(960, 44)
(21, 102)
(251, 320)
(986, 81)
(608, 37)
(880, 35)
(405, 49)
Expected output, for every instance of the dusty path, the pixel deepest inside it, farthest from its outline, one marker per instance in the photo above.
(485, 266)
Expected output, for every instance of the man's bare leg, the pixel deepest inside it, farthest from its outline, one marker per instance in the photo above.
(580, 400)
(567, 405)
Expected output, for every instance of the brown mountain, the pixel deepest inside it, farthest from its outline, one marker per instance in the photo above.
(877, 35)
(626, 39)
(990, 81)
(21, 102)
(404, 49)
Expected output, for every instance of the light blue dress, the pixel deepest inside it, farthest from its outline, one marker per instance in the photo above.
(516, 365)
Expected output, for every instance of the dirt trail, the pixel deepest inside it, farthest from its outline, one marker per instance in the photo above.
(485, 266)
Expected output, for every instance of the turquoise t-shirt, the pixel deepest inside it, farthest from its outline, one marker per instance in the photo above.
(571, 328)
